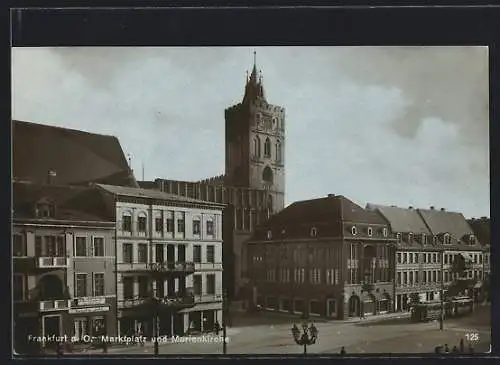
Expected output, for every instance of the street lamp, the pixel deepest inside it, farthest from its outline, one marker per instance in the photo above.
(308, 336)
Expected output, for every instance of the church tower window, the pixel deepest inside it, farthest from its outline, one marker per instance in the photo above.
(267, 175)
(256, 146)
(267, 148)
(278, 151)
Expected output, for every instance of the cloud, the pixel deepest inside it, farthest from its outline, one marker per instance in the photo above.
(389, 125)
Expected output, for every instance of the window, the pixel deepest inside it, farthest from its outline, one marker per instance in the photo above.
(370, 231)
(180, 225)
(99, 326)
(410, 237)
(354, 231)
(81, 246)
(411, 277)
(98, 246)
(81, 328)
(196, 226)
(127, 222)
(159, 224)
(181, 253)
(19, 246)
(278, 151)
(211, 253)
(384, 232)
(398, 237)
(98, 284)
(81, 285)
(399, 257)
(210, 283)
(197, 284)
(405, 278)
(141, 223)
(128, 253)
(210, 228)
(197, 253)
(267, 148)
(18, 287)
(447, 239)
(50, 246)
(256, 146)
(128, 287)
(142, 253)
(170, 225)
(405, 257)
(314, 232)
(38, 246)
(424, 239)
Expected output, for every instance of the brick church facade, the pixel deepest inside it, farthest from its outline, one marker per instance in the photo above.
(253, 186)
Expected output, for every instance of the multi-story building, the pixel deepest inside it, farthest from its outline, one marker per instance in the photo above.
(253, 186)
(169, 248)
(451, 230)
(327, 257)
(482, 230)
(418, 256)
(63, 263)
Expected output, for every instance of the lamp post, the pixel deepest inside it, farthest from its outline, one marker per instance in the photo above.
(308, 336)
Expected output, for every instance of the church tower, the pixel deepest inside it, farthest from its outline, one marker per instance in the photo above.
(255, 143)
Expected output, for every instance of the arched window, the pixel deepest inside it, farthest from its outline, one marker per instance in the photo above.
(267, 175)
(278, 151)
(256, 146)
(267, 148)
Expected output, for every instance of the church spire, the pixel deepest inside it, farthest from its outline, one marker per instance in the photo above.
(254, 88)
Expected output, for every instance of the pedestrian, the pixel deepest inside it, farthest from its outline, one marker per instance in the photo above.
(446, 348)
(455, 349)
(461, 345)
(217, 327)
(342, 351)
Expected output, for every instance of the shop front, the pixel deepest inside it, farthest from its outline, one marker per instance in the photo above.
(92, 317)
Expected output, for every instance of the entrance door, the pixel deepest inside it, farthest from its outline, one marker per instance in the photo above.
(51, 326)
(179, 324)
(331, 307)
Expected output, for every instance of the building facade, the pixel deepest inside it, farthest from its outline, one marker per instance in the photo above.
(63, 264)
(253, 186)
(168, 248)
(327, 257)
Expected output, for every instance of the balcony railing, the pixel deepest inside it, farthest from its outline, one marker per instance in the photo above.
(171, 267)
(204, 298)
(52, 262)
(173, 301)
(53, 305)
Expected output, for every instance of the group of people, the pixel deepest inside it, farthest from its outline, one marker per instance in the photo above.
(460, 349)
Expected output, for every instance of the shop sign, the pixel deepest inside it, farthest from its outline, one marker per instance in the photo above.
(90, 301)
(88, 310)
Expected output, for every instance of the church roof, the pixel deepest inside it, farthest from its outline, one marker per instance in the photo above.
(77, 157)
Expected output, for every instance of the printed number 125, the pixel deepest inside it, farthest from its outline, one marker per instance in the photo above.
(473, 336)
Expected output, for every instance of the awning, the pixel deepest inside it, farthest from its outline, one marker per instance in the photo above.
(203, 307)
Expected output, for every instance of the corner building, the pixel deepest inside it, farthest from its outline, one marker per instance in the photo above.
(169, 251)
(327, 257)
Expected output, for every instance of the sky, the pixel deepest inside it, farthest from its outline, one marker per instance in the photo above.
(405, 126)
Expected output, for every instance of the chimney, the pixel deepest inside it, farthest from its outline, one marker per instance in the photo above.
(331, 195)
(484, 218)
(442, 209)
(51, 178)
(432, 207)
(410, 207)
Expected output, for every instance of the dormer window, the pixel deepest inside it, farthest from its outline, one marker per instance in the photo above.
(410, 237)
(472, 239)
(370, 231)
(45, 210)
(384, 232)
(447, 239)
(424, 239)
(314, 232)
(434, 240)
(354, 231)
(269, 235)
(398, 237)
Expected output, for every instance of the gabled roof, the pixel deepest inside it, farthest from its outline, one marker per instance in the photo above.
(77, 157)
(440, 221)
(72, 203)
(482, 229)
(401, 219)
(151, 194)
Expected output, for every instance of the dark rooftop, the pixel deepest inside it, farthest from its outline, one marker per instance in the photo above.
(75, 156)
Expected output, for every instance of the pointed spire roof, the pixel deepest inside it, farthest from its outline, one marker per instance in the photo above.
(254, 88)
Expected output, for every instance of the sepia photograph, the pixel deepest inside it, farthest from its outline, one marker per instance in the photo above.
(269, 200)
